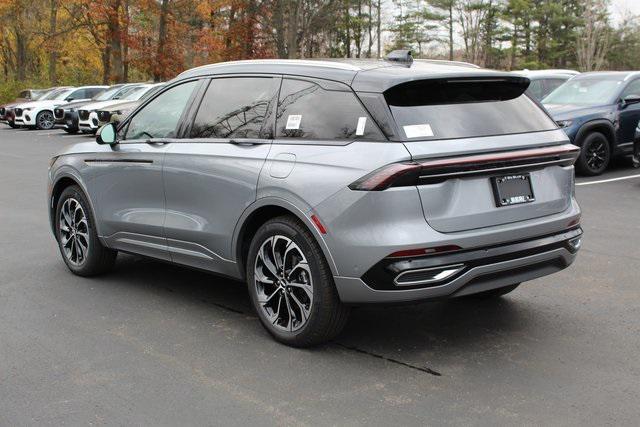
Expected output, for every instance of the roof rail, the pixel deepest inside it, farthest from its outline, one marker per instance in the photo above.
(401, 56)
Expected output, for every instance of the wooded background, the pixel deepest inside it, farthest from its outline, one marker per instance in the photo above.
(53, 42)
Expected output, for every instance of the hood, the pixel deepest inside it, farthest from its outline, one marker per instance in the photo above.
(118, 106)
(11, 104)
(42, 104)
(571, 111)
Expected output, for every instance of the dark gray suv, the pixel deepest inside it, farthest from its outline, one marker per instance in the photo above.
(327, 184)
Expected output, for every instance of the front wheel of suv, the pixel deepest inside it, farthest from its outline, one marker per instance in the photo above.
(595, 155)
(45, 120)
(291, 285)
(77, 238)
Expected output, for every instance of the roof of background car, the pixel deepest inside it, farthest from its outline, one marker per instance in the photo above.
(366, 75)
(615, 75)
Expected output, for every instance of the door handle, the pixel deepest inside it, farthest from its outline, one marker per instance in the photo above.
(246, 141)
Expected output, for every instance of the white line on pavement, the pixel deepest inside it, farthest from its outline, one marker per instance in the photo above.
(608, 180)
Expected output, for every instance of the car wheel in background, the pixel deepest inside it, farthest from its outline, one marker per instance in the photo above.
(45, 120)
(72, 131)
(12, 125)
(595, 155)
(77, 239)
(291, 285)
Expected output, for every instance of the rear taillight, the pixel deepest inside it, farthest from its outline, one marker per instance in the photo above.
(438, 170)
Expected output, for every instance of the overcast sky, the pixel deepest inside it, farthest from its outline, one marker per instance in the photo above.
(622, 7)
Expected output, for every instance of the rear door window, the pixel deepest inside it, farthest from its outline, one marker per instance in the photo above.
(443, 109)
(238, 107)
(307, 111)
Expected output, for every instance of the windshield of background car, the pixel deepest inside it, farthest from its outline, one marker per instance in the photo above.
(150, 92)
(466, 108)
(586, 91)
(106, 94)
(137, 93)
(123, 92)
(54, 94)
(62, 95)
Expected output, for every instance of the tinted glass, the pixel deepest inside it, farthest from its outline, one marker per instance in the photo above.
(453, 110)
(93, 91)
(553, 84)
(54, 94)
(307, 111)
(160, 117)
(78, 94)
(536, 89)
(632, 89)
(107, 94)
(136, 93)
(586, 91)
(236, 108)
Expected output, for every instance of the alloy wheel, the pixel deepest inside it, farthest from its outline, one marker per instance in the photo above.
(45, 120)
(74, 232)
(283, 283)
(596, 155)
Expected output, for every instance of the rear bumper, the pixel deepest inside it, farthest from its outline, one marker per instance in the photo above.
(479, 270)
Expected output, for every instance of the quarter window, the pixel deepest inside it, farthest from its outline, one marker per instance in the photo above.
(632, 89)
(236, 107)
(160, 117)
(307, 111)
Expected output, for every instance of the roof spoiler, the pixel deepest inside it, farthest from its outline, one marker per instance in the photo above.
(401, 56)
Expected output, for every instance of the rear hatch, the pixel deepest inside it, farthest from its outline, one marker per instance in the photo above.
(489, 155)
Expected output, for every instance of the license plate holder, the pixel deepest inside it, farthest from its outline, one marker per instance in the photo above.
(509, 190)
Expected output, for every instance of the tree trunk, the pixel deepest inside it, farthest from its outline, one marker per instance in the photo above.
(378, 29)
(451, 31)
(53, 52)
(292, 29)
(162, 41)
(115, 36)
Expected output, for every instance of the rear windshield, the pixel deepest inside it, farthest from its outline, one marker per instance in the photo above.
(443, 109)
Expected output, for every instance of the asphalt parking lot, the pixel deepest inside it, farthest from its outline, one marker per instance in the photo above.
(155, 344)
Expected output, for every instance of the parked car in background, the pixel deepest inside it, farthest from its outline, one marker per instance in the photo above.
(599, 112)
(116, 112)
(6, 111)
(87, 115)
(325, 184)
(543, 82)
(67, 115)
(39, 114)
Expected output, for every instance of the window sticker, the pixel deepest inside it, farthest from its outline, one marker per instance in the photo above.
(417, 131)
(293, 121)
(362, 122)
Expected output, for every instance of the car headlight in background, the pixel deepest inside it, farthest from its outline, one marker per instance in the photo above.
(564, 123)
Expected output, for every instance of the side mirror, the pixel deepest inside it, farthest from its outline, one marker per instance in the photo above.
(630, 99)
(106, 134)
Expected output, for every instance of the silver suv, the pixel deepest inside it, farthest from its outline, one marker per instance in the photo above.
(325, 185)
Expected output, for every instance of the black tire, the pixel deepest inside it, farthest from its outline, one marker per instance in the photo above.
(97, 259)
(495, 293)
(45, 120)
(595, 155)
(12, 125)
(71, 131)
(327, 315)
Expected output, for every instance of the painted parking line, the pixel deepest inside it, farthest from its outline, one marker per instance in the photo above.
(602, 181)
(47, 133)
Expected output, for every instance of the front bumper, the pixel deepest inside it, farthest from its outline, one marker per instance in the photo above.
(89, 124)
(477, 270)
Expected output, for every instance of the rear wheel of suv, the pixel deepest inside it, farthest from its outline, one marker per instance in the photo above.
(291, 285)
(45, 120)
(78, 240)
(12, 125)
(595, 155)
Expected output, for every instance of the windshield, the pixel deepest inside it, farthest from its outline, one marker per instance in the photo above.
(590, 91)
(63, 94)
(53, 94)
(123, 92)
(150, 92)
(107, 94)
(137, 93)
